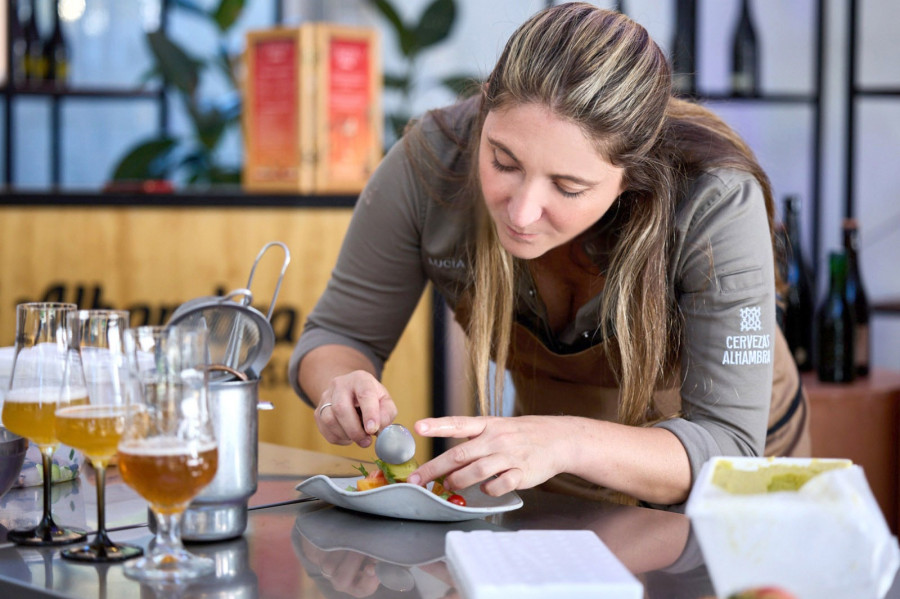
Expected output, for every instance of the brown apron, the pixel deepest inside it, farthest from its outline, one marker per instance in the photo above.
(584, 384)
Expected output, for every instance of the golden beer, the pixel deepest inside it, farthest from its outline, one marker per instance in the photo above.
(31, 413)
(95, 430)
(167, 472)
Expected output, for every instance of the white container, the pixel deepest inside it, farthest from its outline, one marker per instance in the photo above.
(828, 538)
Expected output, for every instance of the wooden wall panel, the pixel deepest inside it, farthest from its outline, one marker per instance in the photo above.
(151, 259)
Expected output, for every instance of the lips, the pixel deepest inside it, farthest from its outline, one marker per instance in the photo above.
(515, 234)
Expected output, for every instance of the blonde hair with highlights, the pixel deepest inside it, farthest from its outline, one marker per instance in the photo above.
(601, 71)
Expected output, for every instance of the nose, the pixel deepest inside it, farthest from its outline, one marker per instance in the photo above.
(525, 207)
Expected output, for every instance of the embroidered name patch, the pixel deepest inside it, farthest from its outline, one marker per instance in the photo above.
(748, 348)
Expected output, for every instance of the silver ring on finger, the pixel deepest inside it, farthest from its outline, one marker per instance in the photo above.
(321, 408)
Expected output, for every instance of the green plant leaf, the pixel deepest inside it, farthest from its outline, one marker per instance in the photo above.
(396, 82)
(406, 37)
(227, 13)
(146, 160)
(177, 67)
(435, 24)
(390, 13)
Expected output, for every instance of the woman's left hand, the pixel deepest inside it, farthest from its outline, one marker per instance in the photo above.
(507, 453)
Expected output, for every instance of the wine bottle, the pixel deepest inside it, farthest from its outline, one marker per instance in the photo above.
(56, 53)
(781, 244)
(799, 308)
(684, 66)
(620, 7)
(835, 326)
(35, 65)
(745, 55)
(856, 296)
(17, 46)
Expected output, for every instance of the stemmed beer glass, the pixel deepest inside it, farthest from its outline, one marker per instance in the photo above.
(97, 362)
(168, 451)
(29, 409)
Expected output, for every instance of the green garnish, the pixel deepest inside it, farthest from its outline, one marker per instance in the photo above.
(388, 476)
(362, 469)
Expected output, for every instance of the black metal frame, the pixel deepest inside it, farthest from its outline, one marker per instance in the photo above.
(855, 91)
(11, 91)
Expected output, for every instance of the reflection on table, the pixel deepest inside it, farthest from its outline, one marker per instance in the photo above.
(312, 550)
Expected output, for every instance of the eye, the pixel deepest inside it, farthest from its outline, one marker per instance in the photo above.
(569, 194)
(503, 168)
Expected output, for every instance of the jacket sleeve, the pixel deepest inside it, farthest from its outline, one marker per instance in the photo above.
(725, 285)
(378, 278)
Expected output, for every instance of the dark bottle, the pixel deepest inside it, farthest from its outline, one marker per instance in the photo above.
(799, 304)
(856, 295)
(35, 65)
(620, 7)
(745, 55)
(684, 65)
(17, 45)
(835, 326)
(56, 53)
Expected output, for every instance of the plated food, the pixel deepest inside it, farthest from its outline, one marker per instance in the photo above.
(406, 501)
(389, 474)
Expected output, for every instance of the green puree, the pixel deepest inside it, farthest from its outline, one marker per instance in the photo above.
(771, 478)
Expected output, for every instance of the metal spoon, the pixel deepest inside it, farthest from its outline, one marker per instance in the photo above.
(395, 444)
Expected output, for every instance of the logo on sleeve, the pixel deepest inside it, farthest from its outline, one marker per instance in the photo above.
(748, 348)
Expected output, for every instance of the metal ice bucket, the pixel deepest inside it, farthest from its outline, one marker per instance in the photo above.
(220, 510)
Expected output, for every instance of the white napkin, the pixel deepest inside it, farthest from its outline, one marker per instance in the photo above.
(537, 564)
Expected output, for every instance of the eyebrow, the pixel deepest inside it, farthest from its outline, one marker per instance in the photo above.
(571, 178)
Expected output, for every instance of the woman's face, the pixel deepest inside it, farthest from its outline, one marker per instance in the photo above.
(543, 181)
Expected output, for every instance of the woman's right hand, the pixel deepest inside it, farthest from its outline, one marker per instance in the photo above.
(349, 401)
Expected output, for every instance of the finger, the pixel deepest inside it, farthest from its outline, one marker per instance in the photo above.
(349, 420)
(370, 395)
(449, 462)
(460, 427)
(340, 422)
(326, 420)
(503, 483)
(331, 429)
(478, 471)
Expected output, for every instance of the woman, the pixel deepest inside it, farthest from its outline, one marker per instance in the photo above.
(608, 244)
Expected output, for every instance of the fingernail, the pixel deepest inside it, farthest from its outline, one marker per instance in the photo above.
(371, 427)
(423, 427)
(414, 479)
(365, 442)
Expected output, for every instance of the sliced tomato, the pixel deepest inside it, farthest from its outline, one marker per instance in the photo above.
(373, 480)
(457, 499)
(438, 489)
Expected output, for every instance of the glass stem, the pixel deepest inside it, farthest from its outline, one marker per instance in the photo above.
(101, 540)
(46, 526)
(168, 536)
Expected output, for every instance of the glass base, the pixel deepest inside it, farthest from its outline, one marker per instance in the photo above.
(37, 537)
(102, 553)
(169, 567)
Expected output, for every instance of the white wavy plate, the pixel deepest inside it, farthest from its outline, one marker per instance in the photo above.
(409, 502)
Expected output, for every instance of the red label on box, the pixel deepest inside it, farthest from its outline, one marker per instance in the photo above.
(275, 118)
(349, 135)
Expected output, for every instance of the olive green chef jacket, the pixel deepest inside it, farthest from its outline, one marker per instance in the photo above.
(737, 391)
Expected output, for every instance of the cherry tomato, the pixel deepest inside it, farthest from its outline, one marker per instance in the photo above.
(457, 499)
